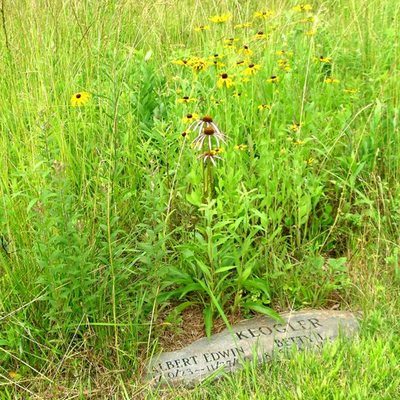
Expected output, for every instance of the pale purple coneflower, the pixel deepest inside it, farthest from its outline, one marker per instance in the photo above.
(207, 129)
(210, 155)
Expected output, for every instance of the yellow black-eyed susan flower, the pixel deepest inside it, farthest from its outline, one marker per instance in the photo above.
(218, 64)
(264, 14)
(311, 32)
(182, 62)
(302, 8)
(216, 102)
(218, 19)
(294, 127)
(260, 35)
(245, 50)
(264, 107)
(241, 147)
(284, 53)
(351, 91)
(80, 99)
(244, 25)
(186, 100)
(230, 40)
(309, 161)
(230, 43)
(224, 80)
(284, 65)
(14, 375)
(325, 60)
(308, 19)
(273, 79)
(189, 118)
(240, 62)
(202, 28)
(198, 64)
(185, 134)
(331, 80)
(251, 69)
(215, 60)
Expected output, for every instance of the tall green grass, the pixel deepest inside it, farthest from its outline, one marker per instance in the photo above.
(106, 234)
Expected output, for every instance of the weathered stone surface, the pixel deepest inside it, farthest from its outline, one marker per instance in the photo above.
(260, 337)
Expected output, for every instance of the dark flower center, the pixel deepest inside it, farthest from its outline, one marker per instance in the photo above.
(260, 33)
(207, 118)
(189, 116)
(78, 96)
(246, 47)
(251, 65)
(185, 97)
(209, 130)
(224, 76)
(273, 77)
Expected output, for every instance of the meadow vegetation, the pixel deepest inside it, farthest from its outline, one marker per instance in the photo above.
(122, 217)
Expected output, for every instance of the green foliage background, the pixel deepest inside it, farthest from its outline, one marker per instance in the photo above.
(103, 226)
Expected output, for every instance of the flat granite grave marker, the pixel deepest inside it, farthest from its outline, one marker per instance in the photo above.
(261, 337)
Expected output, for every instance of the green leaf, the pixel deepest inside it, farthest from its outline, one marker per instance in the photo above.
(257, 283)
(304, 209)
(216, 303)
(181, 307)
(205, 269)
(194, 198)
(257, 307)
(223, 269)
(193, 287)
(246, 273)
(338, 264)
(176, 274)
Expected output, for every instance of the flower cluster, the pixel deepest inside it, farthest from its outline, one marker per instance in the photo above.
(209, 139)
(250, 69)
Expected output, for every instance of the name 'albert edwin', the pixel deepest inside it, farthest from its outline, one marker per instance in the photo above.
(293, 326)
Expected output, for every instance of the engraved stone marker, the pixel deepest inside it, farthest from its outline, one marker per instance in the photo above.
(260, 337)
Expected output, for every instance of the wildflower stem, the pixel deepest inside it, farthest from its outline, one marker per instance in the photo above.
(4, 26)
(3, 23)
(208, 182)
(113, 277)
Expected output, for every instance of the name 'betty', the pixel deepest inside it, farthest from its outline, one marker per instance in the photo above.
(294, 326)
